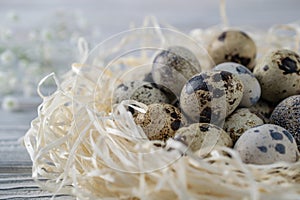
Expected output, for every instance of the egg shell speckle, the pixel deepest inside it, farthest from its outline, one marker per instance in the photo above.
(202, 135)
(278, 73)
(252, 90)
(267, 144)
(160, 121)
(240, 121)
(211, 96)
(287, 115)
(173, 67)
(233, 46)
(144, 92)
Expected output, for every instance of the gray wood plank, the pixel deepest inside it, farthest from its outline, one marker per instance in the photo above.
(12, 152)
(21, 186)
(16, 182)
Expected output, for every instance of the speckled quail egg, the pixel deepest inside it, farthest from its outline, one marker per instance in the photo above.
(278, 73)
(160, 121)
(124, 90)
(173, 67)
(287, 115)
(233, 46)
(143, 92)
(211, 96)
(240, 121)
(252, 89)
(203, 135)
(267, 144)
(263, 109)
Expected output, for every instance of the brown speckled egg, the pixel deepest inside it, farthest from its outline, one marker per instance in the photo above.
(173, 67)
(267, 144)
(211, 96)
(143, 92)
(240, 121)
(252, 89)
(279, 75)
(199, 135)
(287, 115)
(160, 121)
(233, 46)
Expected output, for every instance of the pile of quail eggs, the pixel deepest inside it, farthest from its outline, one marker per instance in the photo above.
(251, 106)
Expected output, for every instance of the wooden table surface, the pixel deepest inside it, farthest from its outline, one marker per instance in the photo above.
(111, 17)
(15, 163)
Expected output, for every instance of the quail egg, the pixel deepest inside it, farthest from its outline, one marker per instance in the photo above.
(267, 144)
(279, 75)
(160, 121)
(263, 109)
(124, 90)
(173, 67)
(211, 96)
(287, 115)
(203, 135)
(143, 92)
(233, 46)
(239, 121)
(252, 89)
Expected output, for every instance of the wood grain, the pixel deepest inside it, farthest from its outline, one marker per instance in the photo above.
(21, 186)
(15, 164)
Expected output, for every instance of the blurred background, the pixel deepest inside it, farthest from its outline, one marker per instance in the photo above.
(114, 16)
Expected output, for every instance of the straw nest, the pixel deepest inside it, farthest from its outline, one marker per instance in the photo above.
(82, 145)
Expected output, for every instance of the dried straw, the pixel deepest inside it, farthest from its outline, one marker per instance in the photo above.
(82, 145)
